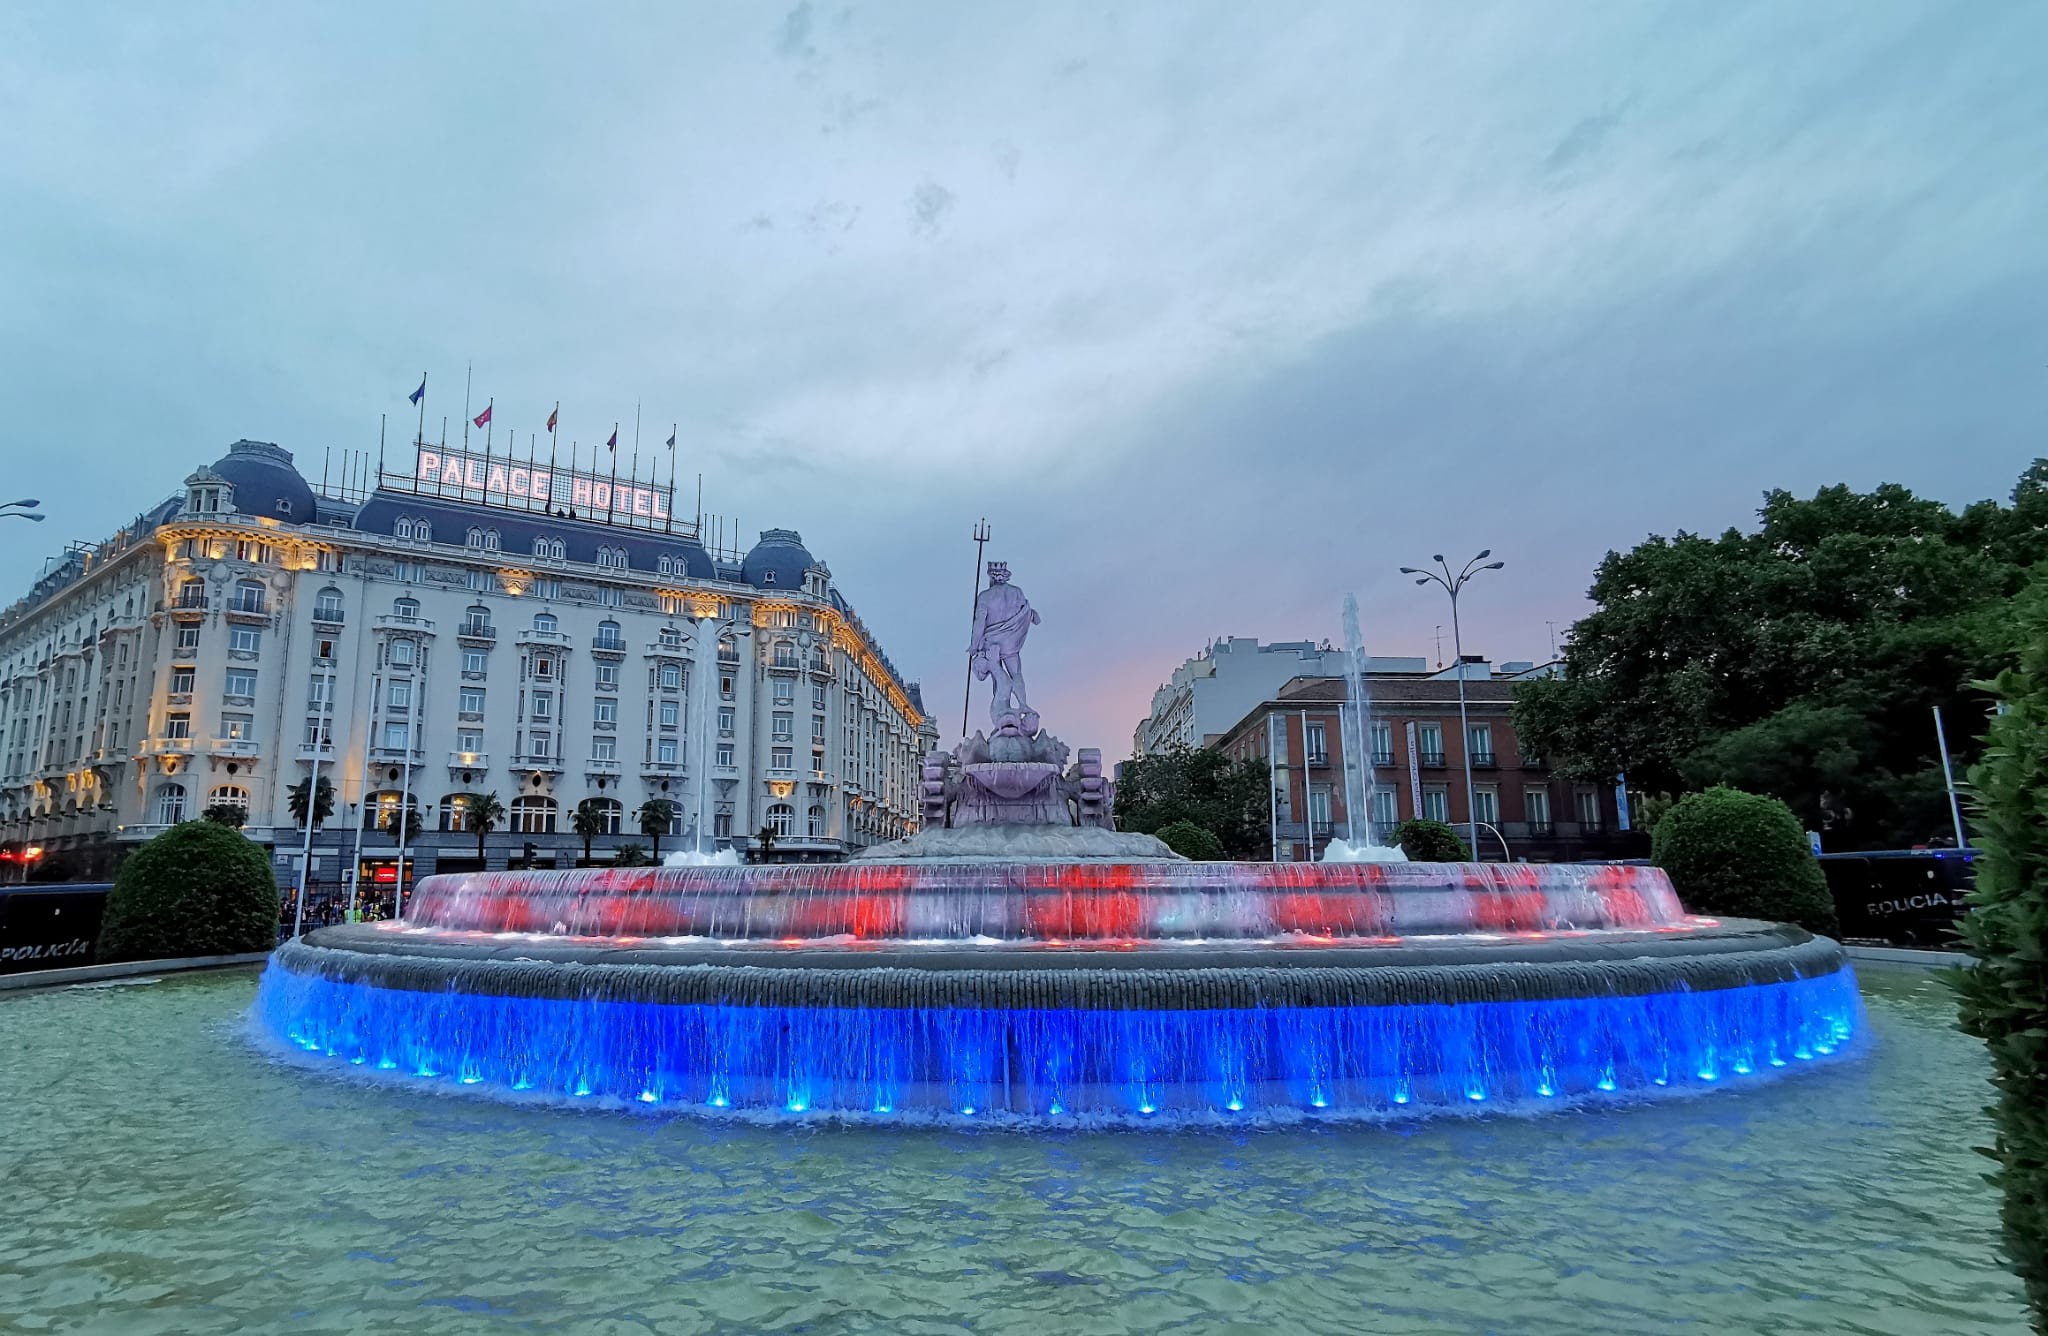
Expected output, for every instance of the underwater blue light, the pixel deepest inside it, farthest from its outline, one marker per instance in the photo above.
(1063, 1062)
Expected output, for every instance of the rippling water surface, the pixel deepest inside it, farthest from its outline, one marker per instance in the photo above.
(162, 1176)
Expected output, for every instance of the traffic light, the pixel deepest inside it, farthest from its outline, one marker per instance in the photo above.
(532, 853)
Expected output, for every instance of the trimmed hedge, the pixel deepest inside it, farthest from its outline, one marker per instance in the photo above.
(1192, 841)
(1742, 855)
(198, 889)
(1426, 841)
(2004, 990)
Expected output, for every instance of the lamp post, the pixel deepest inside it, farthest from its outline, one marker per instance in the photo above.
(1454, 585)
(23, 510)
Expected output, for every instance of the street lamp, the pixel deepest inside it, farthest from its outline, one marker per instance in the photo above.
(1452, 585)
(23, 510)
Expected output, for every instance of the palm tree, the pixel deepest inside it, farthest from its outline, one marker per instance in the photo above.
(766, 839)
(480, 815)
(656, 816)
(591, 819)
(323, 801)
(413, 825)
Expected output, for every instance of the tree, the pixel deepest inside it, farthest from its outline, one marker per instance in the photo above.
(631, 855)
(590, 819)
(413, 825)
(1191, 841)
(198, 889)
(232, 815)
(1231, 799)
(656, 816)
(1428, 841)
(2004, 990)
(765, 837)
(1743, 855)
(323, 802)
(481, 813)
(1800, 660)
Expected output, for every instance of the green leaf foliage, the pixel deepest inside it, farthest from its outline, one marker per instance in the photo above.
(1742, 855)
(1230, 799)
(2004, 991)
(198, 889)
(1426, 841)
(232, 815)
(632, 855)
(323, 801)
(1801, 660)
(1192, 841)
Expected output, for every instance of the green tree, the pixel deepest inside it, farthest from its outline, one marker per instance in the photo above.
(323, 802)
(765, 837)
(656, 816)
(631, 855)
(481, 813)
(1799, 660)
(413, 825)
(232, 815)
(590, 819)
(1428, 841)
(198, 889)
(1191, 841)
(1743, 855)
(2004, 990)
(1231, 799)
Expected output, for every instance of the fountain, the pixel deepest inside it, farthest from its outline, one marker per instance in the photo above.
(1020, 961)
(1356, 718)
(702, 851)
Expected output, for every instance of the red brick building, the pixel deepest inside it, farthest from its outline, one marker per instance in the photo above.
(1417, 755)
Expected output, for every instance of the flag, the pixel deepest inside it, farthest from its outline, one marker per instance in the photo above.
(613, 444)
(481, 418)
(671, 438)
(421, 392)
(551, 420)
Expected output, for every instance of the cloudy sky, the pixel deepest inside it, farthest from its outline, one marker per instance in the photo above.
(1215, 312)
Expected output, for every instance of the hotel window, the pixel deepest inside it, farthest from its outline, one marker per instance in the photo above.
(237, 727)
(1536, 806)
(327, 607)
(608, 636)
(401, 653)
(604, 749)
(543, 705)
(606, 711)
(785, 692)
(671, 676)
(781, 758)
(239, 682)
(607, 677)
(178, 726)
(1319, 806)
(244, 639)
(817, 695)
(319, 732)
(817, 730)
(320, 691)
(1480, 738)
(188, 637)
(608, 597)
(170, 804)
(785, 654)
(721, 826)
(725, 686)
(665, 751)
(1588, 802)
(248, 597)
(400, 697)
(469, 740)
(396, 732)
(544, 621)
(482, 582)
(192, 594)
(1486, 805)
(670, 713)
(725, 753)
(1429, 740)
(1318, 745)
(783, 724)
(671, 638)
(544, 668)
(547, 586)
(1386, 810)
(181, 681)
(725, 720)
(405, 609)
(1382, 742)
(475, 661)
(540, 547)
(1436, 803)
(537, 746)
(471, 700)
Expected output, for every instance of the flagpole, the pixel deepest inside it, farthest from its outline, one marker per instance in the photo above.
(483, 493)
(468, 368)
(636, 456)
(611, 500)
(700, 507)
(441, 474)
(421, 439)
(669, 520)
(554, 439)
(380, 449)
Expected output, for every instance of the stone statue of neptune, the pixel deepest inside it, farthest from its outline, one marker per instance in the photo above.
(1002, 618)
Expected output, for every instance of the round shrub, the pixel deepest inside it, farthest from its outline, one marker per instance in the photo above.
(1426, 841)
(1744, 856)
(1192, 841)
(198, 889)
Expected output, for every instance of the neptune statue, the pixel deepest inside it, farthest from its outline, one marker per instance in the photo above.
(1002, 618)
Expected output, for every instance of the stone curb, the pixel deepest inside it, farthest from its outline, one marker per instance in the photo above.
(1905, 955)
(124, 970)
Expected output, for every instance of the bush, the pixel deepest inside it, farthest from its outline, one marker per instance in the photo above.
(1427, 841)
(198, 889)
(1744, 856)
(2004, 991)
(232, 815)
(1192, 841)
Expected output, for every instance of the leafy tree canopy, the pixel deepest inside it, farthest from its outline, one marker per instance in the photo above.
(1191, 841)
(1230, 799)
(1801, 660)
(1427, 841)
(198, 889)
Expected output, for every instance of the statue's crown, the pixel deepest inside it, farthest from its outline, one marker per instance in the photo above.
(999, 570)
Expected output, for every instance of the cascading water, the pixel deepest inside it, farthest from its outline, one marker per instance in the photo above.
(1358, 844)
(701, 853)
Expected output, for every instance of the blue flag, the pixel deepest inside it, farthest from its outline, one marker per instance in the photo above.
(421, 392)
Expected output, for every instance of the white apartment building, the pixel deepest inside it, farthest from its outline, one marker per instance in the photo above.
(426, 647)
(1207, 696)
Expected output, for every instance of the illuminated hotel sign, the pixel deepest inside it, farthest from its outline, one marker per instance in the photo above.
(529, 483)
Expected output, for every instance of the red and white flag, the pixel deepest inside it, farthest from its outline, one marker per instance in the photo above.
(481, 418)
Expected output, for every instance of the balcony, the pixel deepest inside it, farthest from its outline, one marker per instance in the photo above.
(543, 765)
(481, 634)
(469, 760)
(398, 755)
(1319, 760)
(168, 747)
(188, 609)
(418, 626)
(1485, 760)
(1433, 759)
(233, 747)
(1541, 830)
(327, 616)
(529, 636)
(321, 751)
(659, 769)
(612, 645)
(601, 766)
(1382, 760)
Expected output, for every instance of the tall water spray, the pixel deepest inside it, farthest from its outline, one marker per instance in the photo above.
(1358, 845)
(701, 851)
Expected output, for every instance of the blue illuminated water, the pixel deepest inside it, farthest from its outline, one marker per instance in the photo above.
(164, 1176)
(1123, 1066)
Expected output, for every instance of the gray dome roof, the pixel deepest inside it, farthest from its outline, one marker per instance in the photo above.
(265, 482)
(778, 561)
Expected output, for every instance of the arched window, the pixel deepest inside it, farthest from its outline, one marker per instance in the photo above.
(228, 793)
(785, 654)
(474, 538)
(533, 815)
(192, 594)
(454, 813)
(560, 551)
(490, 540)
(612, 812)
(540, 547)
(817, 822)
(422, 531)
(248, 596)
(476, 620)
(544, 621)
(664, 566)
(170, 804)
(401, 653)
(608, 636)
(379, 807)
(404, 527)
(405, 609)
(820, 662)
(780, 815)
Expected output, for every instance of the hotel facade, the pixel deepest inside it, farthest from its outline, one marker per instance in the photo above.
(421, 641)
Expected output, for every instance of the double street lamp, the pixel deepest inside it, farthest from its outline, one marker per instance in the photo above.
(23, 510)
(1453, 585)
